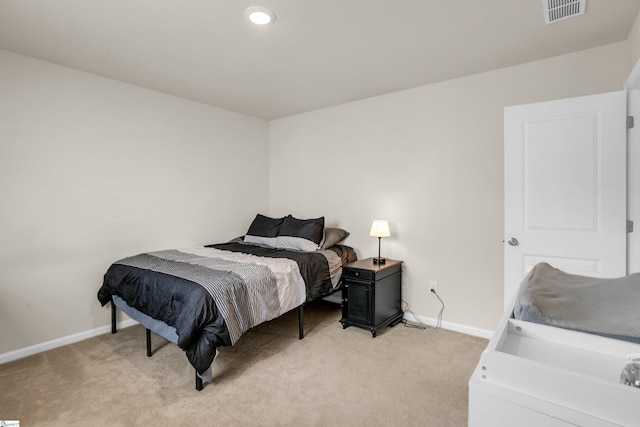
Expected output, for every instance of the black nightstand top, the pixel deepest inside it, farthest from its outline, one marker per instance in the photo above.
(367, 264)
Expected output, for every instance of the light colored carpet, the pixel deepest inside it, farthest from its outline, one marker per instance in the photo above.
(334, 377)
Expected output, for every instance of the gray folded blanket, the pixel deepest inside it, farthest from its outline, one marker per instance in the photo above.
(607, 307)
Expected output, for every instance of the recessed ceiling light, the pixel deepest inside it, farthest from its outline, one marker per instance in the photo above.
(260, 15)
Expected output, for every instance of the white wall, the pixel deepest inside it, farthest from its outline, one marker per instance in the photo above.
(634, 42)
(93, 170)
(430, 161)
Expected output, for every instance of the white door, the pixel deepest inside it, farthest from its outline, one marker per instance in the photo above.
(565, 187)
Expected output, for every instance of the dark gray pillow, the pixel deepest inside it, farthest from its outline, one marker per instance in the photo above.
(264, 230)
(300, 234)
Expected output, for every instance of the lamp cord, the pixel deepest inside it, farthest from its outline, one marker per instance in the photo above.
(418, 323)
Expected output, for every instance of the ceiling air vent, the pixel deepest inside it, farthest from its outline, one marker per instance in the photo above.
(557, 10)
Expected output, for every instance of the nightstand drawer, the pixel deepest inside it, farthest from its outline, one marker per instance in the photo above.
(367, 271)
(354, 273)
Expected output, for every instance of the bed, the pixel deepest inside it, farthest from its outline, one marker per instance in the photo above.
(205, 297)
(566, 353)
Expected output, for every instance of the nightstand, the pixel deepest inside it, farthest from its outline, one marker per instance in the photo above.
(371, 294)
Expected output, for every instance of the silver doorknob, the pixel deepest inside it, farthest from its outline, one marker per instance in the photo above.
(513, 241)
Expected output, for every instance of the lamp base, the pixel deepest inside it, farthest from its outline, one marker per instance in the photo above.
(379, 261)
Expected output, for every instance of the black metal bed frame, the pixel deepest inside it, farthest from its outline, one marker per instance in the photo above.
(199, 385)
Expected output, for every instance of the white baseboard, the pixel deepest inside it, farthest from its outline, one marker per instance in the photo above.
(59, 342)
(70, 339)
(456, 327)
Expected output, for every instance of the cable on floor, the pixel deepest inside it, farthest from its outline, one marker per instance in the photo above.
(416, 322)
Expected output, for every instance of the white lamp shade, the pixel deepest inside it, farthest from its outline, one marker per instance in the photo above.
(380, 228)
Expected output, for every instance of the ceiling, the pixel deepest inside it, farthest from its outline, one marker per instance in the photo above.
(318, 53)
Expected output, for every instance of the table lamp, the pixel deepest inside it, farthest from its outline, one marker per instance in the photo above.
(379, 229)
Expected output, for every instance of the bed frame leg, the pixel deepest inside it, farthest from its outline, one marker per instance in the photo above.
(114, 327)
(149, 352)
(198, 382)
(301, 321)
